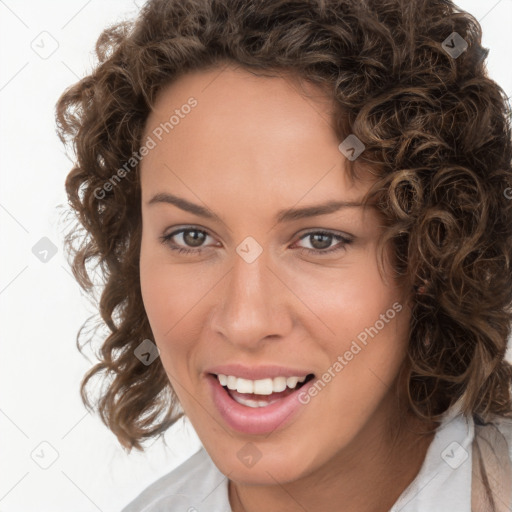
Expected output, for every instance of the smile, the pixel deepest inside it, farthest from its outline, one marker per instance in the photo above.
(257, 406)
(262, 388)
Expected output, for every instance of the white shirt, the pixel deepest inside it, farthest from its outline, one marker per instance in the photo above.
(443, 483)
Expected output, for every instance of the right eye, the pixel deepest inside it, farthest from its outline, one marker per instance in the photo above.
(190, 237)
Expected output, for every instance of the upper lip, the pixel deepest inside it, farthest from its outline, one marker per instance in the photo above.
(257, 372)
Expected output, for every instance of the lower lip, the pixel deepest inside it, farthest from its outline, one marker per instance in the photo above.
(255, 420)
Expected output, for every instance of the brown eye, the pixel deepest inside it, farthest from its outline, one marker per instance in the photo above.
(321, 242)
(194, 240)
(185, 240)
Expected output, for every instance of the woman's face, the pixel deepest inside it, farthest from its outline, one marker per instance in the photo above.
(275, 284)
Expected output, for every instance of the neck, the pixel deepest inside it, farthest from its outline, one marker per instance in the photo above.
(367, 476)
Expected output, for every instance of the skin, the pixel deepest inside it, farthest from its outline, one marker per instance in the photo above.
(252, 146)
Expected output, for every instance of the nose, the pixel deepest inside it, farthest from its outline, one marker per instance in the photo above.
(253, 306)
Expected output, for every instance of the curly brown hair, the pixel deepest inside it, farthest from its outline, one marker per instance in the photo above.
(437, 137)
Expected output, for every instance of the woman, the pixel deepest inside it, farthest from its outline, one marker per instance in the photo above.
(301, 213)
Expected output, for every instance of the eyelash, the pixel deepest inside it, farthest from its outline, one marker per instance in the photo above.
(180, 250)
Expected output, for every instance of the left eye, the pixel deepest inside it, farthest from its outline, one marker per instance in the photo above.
(194, 239)
(322, 240)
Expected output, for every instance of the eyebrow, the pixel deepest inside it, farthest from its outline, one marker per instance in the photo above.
(286, 215)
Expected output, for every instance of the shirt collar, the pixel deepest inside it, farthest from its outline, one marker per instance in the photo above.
(444, 480)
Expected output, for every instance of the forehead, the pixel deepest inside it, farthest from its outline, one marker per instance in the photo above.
(256, 135)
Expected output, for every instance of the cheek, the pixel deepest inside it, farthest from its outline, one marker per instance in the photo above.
(365, 326)
(347, 300)
(163, 308)
(174, 301)
(166, 290)
(156, 294)
(164, 299)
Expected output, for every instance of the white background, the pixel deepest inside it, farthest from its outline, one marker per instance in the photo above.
(41, 306)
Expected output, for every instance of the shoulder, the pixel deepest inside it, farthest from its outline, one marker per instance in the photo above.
(496, 436)
(492, 462)
(452, 475)
(504, 425)
(195, 483)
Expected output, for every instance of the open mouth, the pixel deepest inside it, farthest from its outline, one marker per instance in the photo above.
(259, 407)
(263, 392)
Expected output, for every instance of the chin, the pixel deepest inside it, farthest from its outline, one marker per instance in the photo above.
(263, 462)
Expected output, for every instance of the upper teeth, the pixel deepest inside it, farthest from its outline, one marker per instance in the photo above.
(259, 387)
